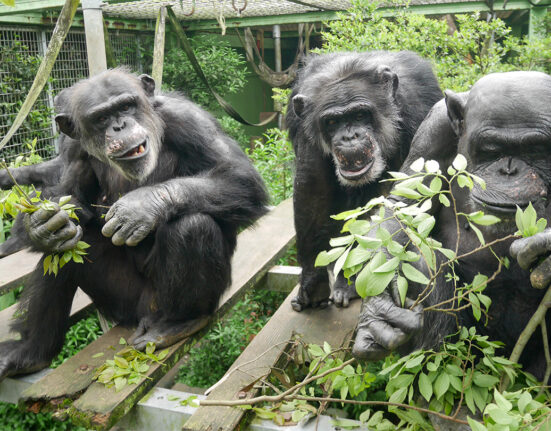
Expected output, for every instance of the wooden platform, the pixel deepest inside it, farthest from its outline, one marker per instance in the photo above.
(68, 390)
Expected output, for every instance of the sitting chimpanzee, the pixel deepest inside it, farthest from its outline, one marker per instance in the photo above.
(351, 118)
(503, 128)
(177, 190)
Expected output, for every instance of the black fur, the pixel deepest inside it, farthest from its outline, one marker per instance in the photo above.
(349, 110)
(176, 206)
(502, 127)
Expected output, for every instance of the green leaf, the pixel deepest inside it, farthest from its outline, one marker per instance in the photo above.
(441, 384)
(425, 227)
(464, 181)
(10, 3)
(501, 402)
(47, 262)
(326, 257)
(98, 355)
(518, 220)
(402, 286)
(369, 283)
(523, 401)
(120, 382)
(436, 184)
(484, 380)
(64, 200)
(357, 256)
(340, 261)
(414, 274)
(484, 219)
(406, 193)
(499, 416)
(388, 266)
(359, 227)
(415, 361)
(444, 200)
(399, 395)
(425, 386)
(368, 243)
(417, 165)
(460, 162)
(478, 233)
(149, 348)
(432, 166)
(341, 241)
(345, 423)
(122, 342)
(475, 425)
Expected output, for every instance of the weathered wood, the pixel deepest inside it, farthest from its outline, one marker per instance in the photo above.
(282, 278)
(81, 304)
(95, 39)
(15, 268)
(100, 408)
(331, 324)
(159, 47)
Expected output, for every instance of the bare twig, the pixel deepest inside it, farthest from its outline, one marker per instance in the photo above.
(543, 326)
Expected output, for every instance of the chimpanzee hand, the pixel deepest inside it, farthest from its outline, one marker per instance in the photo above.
(529, 253)
(384, 326)
(52, 231)
(135, 215)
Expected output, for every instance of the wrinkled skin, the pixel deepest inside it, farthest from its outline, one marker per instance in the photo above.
(351, 118)
(161, 192)
(502, 126)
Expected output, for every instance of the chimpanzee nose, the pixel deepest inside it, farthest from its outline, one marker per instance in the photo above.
(119, 125)
(350, 136)
(510, 169)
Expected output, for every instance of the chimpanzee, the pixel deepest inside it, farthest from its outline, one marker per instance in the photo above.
(177, 191)
(503, 128)
(351, 118)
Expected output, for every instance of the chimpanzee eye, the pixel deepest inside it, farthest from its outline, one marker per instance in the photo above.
(330, 122)
(103, 118)
(126, 108)
(360, 115)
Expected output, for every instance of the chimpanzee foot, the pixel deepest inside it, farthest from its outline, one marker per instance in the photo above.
(343, 293)
(164, 332)
(13, 361)
(305, 300)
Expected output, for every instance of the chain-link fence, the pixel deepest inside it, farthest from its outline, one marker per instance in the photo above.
(20, 53)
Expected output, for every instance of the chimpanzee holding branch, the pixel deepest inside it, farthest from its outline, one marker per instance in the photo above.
(177, 190)
(503, 128)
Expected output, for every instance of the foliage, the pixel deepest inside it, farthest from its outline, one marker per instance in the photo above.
(225, 341)
(12, 419)
(17, 72)
(224, 68)
(77, 337)
(477, 48)
(128, 366)
(281, 99)
(274, 160)
(235, 130)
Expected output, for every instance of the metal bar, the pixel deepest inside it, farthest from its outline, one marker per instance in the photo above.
(78, 21)
(95, 40)
(159, 47)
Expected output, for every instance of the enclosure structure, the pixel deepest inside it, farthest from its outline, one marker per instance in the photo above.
(68, 390)
(130, 25)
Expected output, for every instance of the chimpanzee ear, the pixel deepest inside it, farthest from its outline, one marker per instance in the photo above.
(66, 125)
(148, 84)
(456, 111)
(299, 103)
(388, 78)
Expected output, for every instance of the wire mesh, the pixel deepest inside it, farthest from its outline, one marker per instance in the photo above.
(20, 53)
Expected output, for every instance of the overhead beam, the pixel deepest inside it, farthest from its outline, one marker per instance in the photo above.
(428, 9)
(78, 21)
(26, 6)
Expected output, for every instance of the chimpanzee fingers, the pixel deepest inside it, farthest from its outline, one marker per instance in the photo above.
(42, 215)
(137, 236)
(111, 227)
(365, 347)
(527, 250)
(73, 239)
(57, 221)
(541, 275)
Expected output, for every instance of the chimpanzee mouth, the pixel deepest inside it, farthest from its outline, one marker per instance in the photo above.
(136, 152)
(355, 175)
(499, 207)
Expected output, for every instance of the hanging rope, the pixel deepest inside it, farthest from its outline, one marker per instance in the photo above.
(192, 8)
(239, 10)
(275, 79)
(186, 46)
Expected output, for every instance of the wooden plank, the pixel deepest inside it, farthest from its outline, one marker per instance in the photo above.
(283, 278)
(159, 48)
(334, 325)
(81, 304)
(100, 408)
(15, 269)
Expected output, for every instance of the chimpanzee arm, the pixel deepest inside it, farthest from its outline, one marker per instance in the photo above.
(40, 175)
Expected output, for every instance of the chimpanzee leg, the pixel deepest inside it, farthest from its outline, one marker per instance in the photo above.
(43, 319)
(190, 266)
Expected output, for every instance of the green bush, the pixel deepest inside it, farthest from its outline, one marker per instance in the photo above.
(477, 47)
(273, 157)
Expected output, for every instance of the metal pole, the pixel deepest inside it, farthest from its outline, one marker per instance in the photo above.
(95, 40)
(50, 91)
(276, 34)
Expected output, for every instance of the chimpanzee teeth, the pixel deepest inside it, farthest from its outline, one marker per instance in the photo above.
(141, 149)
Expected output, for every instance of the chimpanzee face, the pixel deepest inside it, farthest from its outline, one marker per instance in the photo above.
(355, 121)
(504, 130)
(114, 120)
